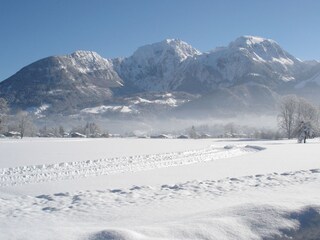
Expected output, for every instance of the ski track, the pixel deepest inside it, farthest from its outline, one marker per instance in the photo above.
(100, 201)
(71, 170)
(108, 201)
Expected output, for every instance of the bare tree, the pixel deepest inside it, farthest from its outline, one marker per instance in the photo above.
(192, 132)
(24, 122)
(293, 112)
(91, 129)
(307, 112)
(61, 131)
(303, 131)
(287, 116)
(230, 129)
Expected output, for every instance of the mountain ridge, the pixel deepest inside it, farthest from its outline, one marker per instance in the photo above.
(84, 79)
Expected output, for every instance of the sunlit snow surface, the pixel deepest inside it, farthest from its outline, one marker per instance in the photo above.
(159, 189)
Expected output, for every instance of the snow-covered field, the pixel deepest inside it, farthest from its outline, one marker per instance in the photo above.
(99, 189)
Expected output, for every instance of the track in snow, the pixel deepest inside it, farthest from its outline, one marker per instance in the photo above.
(103, 201)
(70, 170)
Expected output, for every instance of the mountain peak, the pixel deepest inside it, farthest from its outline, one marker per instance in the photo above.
(172, 40)
(263, 50)
(88, 60)
(249, 41)
(159, 50)
(80, 54)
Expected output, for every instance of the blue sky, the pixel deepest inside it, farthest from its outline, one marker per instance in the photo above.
(34, 29)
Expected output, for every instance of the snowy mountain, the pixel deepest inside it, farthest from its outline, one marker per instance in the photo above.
(247, 59)
(62, 82)
(153, 67)
(250, 73)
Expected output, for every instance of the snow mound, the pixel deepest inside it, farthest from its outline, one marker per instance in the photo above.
(116, 234)
(297, 224)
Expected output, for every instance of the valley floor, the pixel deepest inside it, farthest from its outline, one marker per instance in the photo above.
(159, 189)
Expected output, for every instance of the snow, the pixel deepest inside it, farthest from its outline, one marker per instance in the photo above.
(255, 74)
(257, 58)
(287, 78)
(125, 109)
(242, 56)
(87, 61)
(255, 39)
(120, 84)
(39, 110)
(246, 40)
(153, 66)
(37, 151)
(102, 109)
(165, 99)
(134, 105)
(158, 189)
(170, 102)
(141, 100)
(284, 61)
(158, 51)
(56, 91)
(59, 171)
